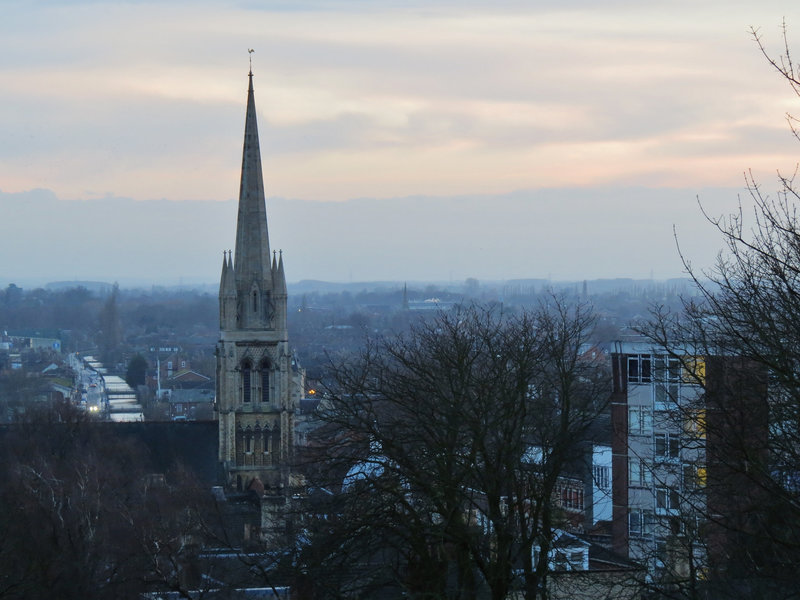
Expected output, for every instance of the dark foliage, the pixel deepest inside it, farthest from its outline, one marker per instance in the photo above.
(83, 516)
(137, 371)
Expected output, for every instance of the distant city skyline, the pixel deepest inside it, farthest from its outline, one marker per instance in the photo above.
(527, 234)
(416, 140)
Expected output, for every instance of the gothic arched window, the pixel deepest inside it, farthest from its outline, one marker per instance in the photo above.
(255, 301)
(265, 377)
(276, 440)
(247, 383)
(267, 441)
(248, 441)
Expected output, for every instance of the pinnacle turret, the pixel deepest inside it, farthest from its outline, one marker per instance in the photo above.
(230, 278)
(280, 276)
(224, 273)
(227, 293)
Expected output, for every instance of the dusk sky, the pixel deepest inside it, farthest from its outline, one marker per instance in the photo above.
(419, 140)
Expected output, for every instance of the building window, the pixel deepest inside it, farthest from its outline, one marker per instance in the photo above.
(265, 381)
(639, 474)
(640, 368)
(667, 500)
(694, 370)
(667, 394)
(247, 383)
(640, 522)
(267, 441)
(668, 446)
(602, 476)
(255, 301)
(248, 441)
(571, 498)
(694, 477)
(640, 420)
(661, 556)
(273, 445)
(667, 375)
(183, 364)
(668, 369)
(694, 425)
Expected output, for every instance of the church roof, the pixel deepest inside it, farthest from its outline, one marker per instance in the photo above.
(252, 258)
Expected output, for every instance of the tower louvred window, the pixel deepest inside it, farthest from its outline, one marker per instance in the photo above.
(265, 382)
(246, 382)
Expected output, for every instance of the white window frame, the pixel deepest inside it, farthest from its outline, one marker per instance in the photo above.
(602, 477)
(667, 377)
(671, 446)
(668, 500)
(640, 368)
(640, 420)
(639, 473)
(641, 522)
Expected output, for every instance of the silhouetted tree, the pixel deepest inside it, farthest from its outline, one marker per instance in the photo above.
(110, 328)
(137, 371)
(744, 325)
(449, 445)
(83, 517)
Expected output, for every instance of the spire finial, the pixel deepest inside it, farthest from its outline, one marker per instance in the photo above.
(250, 52)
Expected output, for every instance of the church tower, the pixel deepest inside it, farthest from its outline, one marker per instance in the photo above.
(258, 382)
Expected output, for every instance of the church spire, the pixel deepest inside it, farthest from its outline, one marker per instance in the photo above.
(258, 381)
(252, 263)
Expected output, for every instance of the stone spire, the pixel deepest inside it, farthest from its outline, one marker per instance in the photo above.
(252, 264)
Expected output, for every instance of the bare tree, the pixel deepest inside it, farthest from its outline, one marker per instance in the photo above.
(84, 518)
(744, 323)
(449, 444)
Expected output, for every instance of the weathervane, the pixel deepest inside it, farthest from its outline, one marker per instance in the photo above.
(250, 52)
